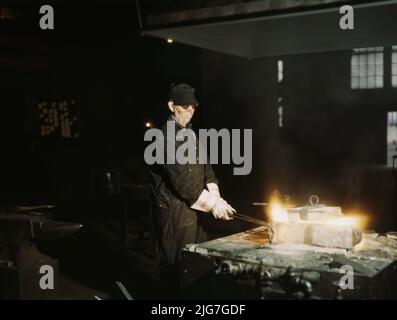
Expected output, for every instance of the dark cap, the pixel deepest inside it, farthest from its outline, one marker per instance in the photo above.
(183, 95)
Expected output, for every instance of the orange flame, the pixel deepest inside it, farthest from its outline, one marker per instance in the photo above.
(277, 212)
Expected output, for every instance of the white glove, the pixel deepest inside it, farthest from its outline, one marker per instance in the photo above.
(222, 210)
(205, 202)
(210, 201)
(213, 189)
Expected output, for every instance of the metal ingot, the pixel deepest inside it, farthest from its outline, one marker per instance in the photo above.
(316, 234)
(314, 213)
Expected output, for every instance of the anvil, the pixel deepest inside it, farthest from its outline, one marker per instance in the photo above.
(20, 261)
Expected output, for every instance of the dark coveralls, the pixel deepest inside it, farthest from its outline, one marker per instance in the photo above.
(176, 188)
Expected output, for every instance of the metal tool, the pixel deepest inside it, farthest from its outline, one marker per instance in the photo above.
(18, 209)
(18, 231)
(124, 290)
(250, 219)
(265, 204)
(257, 222)
(261, 204)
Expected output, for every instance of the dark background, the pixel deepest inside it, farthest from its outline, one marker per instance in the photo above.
(333, 142)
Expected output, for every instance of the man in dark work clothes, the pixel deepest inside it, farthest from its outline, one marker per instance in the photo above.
(183, 191)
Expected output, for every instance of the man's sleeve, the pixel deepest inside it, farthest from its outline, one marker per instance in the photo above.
(211, 181)
(209, 174)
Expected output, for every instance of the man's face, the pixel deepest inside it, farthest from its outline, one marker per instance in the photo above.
(183, 114)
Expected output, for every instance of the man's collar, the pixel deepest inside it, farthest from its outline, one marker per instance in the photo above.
(172, 118)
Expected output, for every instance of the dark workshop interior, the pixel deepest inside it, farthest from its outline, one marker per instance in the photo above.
(76, 101)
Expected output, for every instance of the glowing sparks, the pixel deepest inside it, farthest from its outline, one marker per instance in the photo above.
(277, 212)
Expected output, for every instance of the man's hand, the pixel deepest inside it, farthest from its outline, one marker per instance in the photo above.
(210, 201)
(222, 210)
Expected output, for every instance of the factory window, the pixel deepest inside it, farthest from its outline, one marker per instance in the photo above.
(280, 68)
(392, 139)
(280, 77)
(367, 68)
(394, 66)
(57, 119)
(280, 112)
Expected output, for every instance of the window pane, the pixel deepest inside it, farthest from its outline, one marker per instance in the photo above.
(367, 68)
(371, 58)
(363, 70)
(394, 69)
(379, 58)
(394, 81)
(379, 69)
(354, 83)
(391, 137)
(379, 82)
(355, 70)
(371, 69)
(363, 82)
(371, 82)
(280, 65)
(394, 56)
(362, 59)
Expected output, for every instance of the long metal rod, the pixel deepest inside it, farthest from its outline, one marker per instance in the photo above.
(124, 290)
(26, 209)
(263, 223)
(264, 204)
(250, 219)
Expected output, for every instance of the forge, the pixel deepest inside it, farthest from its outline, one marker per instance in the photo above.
(302, 253)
